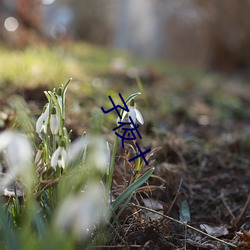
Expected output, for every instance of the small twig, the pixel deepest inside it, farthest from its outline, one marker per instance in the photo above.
(185, 242)
(116, 246)
(239, 217)
(175, 198)
(57, 180)
(48, 185)
(184, 224)
(227, 207)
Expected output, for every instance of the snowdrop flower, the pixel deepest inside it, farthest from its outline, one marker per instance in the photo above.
(54, 121)
(39, 154)
(59, 97)
(134, 113)
(98, 152)
(59, 157)
(79, 214)
(42, 122)
(17, 152)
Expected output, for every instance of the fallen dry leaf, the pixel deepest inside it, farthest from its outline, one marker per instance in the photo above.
(214, 230)
(245, 236)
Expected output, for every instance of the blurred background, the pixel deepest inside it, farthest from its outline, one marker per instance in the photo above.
(193, 60)
(211, 34)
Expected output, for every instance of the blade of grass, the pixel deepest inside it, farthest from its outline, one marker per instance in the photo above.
(122, 209)
(11, 239)
(128, 191)
(132, 96)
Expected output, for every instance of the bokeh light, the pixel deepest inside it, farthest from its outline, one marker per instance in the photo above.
(11, 24)
(48, 2)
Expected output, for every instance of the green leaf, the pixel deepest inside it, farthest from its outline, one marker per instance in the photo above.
(65, 87)
(122, 209)
(10, 236)
(39, 222)
(129, 190)
(132, 96)
(184, 212)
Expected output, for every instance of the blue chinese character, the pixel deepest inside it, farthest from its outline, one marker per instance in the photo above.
(129, 131)
(125, 108)
(141, 154)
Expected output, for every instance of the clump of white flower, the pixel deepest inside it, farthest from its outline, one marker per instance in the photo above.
(17, 153)
(80, 214)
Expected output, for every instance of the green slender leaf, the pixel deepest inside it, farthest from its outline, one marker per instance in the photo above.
(65, 87)
(128, 191)
(185, 212)
(10, 236)
(39, 222)
(122, 209)
(132, 96)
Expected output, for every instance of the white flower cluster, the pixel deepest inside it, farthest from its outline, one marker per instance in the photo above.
(80, 214)
(60, 153)
(50, 117)
(16, 150)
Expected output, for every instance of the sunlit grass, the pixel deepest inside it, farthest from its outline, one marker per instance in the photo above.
(37, 65)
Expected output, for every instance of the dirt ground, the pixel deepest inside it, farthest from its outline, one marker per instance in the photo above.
(200, 132)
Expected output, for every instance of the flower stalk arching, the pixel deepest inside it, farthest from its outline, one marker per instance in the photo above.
(63, 95)
(112, 163)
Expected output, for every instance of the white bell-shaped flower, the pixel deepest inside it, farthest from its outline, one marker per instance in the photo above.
(134, 113)
(54, 121)
(98, 152)
(59, 157)
(17, 152)
(39, 154)
(42, 122)
(59, 97)
(80, 214)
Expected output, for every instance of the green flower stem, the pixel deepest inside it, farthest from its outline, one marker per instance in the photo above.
(54, 142)
(47, 140)
(112, 164)
(65, 87)
(52, 95)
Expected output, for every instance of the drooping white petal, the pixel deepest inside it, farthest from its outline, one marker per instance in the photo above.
(77, 148)
(59, 99)
(39, 123)
(18, 156)
(38, 156)
(19, 151)
(5, 139)
(42, 121)
(54, 124)
(44, 127)
(123, 115)
(55, 156)
(139, 116)
(78, 214)
(101, 155)
(98, 152)
(132, 114)
(62, 161)
(59, 157)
